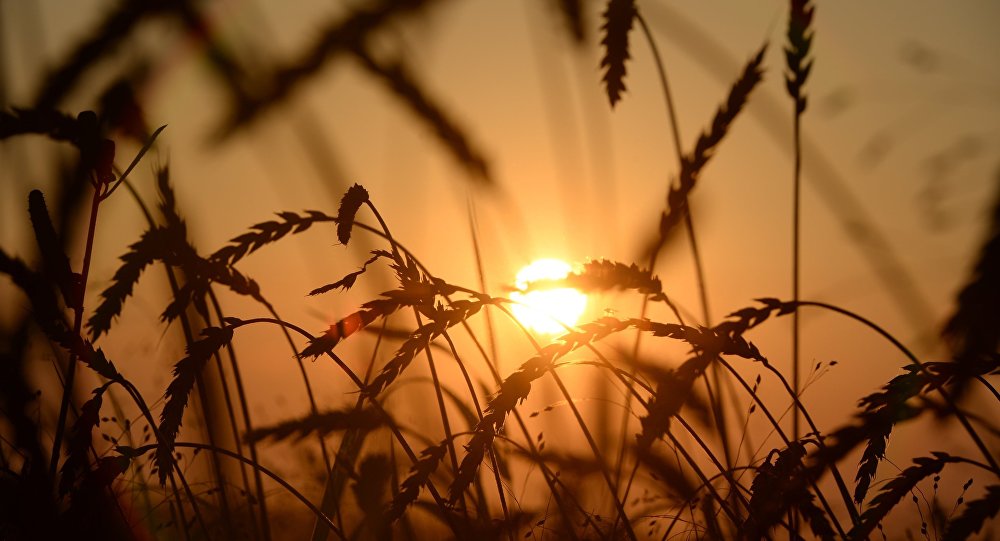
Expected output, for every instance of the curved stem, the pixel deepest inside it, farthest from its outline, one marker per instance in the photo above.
(990, 459)
(276, 478)
(479, 413)
(717, 403)
(174, 468)
(708, 452)
(662, 72)
(445, 423)
(676, 518)
(612, 486)
(834, 470)
(231, 414)
(711, 488)
(371, 400)
(245, 407)
(784, 438)
(189, 339)
(989, 386)
(310, 395)
(550, 480)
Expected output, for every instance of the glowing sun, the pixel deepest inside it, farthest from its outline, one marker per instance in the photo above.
(546, 310)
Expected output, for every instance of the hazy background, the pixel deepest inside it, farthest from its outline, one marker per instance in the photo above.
(902, 138)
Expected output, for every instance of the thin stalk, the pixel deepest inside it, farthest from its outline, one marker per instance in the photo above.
(310, 395)
(664, 86)
(206, 411)
(231, 415)
(77, 328)
(479, 413)
(550, 480)
(135, 161)
(612, 486)
(784, 438)
(371, 400)
(245, 407)
(388, 235)
(396, 432)
(257, 467)
(722, 470)
(532, 452)
(481, 276)
(445, 423)
(796, 258)
(490, 334)
(717, 404)
(733, 483)
(989, 386)
(718, 408)
(348, 450)
(676, 518)
(175, 468)
(990, 459)
(133, 392)
(444, 415)
(397, 247)
(612, 483)
(834, 471)
(711, 488)
(675, 131)
(189, 339)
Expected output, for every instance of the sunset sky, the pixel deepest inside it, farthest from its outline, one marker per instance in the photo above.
(901, 139)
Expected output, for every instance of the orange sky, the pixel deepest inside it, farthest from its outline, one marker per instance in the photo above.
(903, 115)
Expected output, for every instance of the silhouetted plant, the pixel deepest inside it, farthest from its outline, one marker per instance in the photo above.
(682, 459)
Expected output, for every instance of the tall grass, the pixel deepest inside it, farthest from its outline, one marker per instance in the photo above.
(702, 451)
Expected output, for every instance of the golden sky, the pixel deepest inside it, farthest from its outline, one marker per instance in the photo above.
(901, 140)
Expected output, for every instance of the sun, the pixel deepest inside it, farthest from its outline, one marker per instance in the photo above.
(546, 310)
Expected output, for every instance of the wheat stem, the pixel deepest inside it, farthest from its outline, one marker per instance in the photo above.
(257, 467)
(174, 467)
(612, 486)
(67, 390)
(188, 340)
(990, 459)
(245, 408)
(479, 414)
(361, 387)
(777, 427)
(550, 480)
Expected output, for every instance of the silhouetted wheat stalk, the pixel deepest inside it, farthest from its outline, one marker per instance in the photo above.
(693, 162)
(779, 486)
(688, 471)
(799, 64)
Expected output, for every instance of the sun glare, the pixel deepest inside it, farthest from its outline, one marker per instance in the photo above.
(546, 310)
